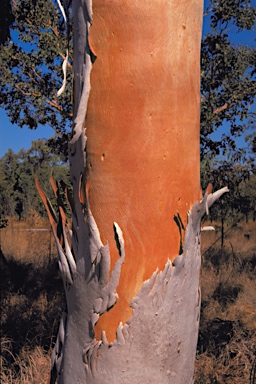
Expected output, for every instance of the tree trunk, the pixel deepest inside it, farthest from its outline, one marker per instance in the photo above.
(222, 233)
(132, 274)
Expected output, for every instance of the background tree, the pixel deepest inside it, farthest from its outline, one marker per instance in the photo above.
(31, 68)
(18, 195)
(6, 20)
(228, 75)
(31, 71)
(240, 201)
(7, 175)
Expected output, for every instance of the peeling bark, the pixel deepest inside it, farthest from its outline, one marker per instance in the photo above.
(158, 342)
(133, 301)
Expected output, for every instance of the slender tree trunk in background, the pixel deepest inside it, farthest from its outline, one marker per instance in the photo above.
(132, 274)
(222, 233)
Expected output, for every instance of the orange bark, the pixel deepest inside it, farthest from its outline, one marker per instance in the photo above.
(143, 133)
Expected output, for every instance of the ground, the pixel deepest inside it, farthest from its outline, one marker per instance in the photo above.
(32, 302)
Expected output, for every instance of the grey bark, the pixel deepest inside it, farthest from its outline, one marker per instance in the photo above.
(158, 343)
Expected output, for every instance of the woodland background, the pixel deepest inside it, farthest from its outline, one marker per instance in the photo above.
(33, 42)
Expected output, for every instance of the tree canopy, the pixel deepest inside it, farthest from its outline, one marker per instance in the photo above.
(34, 42)
(31, 66)
(228, 75)
(240, 202)
(18, 194)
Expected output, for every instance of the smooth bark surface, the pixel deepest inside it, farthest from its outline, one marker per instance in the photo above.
(142, 126)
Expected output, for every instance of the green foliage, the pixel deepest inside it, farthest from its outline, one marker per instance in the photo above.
(31, 73)
(239, 12)
(6, 20)
(31, 67)
(251, 137)
(3, 221)
(18, 194)
(228, 75)
(240, 202)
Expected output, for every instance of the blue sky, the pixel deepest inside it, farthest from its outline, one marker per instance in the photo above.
(16, 138)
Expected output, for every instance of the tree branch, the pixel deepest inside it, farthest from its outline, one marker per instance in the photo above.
(220, 109)
(53, 104)
(26, 93)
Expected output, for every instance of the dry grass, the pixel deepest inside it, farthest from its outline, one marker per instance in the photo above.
(240, 236)
(230, 364)
(227, 338)
(32, 302)
(29, 367)
(30, 240)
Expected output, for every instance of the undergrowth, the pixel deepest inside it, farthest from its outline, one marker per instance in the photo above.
(32, 301)
(226, 350)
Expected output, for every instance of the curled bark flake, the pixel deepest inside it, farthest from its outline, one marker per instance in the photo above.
(64, 69)
(57, 352)
(212, 197)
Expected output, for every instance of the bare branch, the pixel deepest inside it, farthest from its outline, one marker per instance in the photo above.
(26, 93)
(220, 109)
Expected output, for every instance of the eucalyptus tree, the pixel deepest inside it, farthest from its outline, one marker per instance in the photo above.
(33, 46)
(240, 201)
(18, 195)
(130, 263)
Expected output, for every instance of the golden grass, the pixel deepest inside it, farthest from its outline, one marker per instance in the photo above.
(32, 301)
(29, 367)
(32, 298)
(241, 236)
(30, 240)
(227, 343)
(232, 366)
